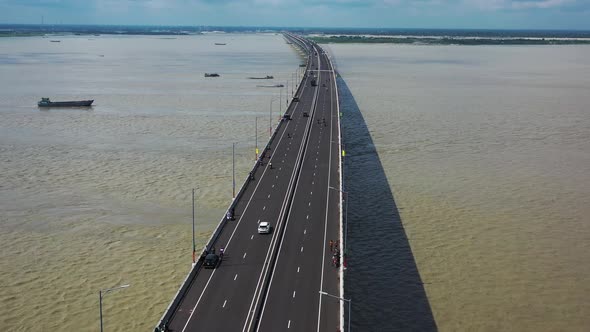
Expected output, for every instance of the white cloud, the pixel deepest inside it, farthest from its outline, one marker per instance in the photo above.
(518, 4)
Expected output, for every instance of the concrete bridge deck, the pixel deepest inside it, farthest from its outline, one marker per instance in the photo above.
(271, 282)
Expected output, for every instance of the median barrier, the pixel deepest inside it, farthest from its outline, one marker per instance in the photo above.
(179, 296)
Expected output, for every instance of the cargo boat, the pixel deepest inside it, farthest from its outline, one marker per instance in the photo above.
(45, 102)
(267, 77)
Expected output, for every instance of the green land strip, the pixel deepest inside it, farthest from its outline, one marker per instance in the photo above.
(446, 40)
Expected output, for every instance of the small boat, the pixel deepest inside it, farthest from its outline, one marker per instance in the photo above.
(219, 43)
(55, 41)
(211, 75)
(271, 86)
(45, 102)
(267, 77)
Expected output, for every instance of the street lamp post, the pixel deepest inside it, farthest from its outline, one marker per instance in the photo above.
(103, 292)
(341, 299)
(233, 167)
(280, 100)
(194, 246)
(270, 121)
(270, 116)
(256, 139)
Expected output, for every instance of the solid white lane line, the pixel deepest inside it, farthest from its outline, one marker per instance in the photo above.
(325, 224)
(244, 255)
(236, 277)
(224, 302)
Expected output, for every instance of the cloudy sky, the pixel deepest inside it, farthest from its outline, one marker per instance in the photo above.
(492, 14)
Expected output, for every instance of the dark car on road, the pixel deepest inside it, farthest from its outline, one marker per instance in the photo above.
(211, 261)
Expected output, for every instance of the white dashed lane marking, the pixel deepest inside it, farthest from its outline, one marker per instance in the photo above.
(244, 255)
(224, 302)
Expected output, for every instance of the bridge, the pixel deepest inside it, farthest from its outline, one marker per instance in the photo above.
(290, 279)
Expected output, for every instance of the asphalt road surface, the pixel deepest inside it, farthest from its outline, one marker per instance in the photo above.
(271, 282)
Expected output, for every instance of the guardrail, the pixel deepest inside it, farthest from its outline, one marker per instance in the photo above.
(179, 296)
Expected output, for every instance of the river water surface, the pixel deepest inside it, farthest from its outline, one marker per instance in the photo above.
(482, 155)
(485, 151)
(95, 198)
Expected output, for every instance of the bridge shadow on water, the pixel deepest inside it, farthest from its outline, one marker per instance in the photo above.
(382, 278)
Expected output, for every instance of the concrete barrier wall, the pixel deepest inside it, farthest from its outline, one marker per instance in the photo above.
(179, 296)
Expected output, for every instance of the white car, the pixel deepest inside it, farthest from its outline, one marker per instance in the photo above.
(264, 227)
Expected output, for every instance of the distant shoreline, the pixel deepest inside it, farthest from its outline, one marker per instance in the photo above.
(447, 40)
(320, 35)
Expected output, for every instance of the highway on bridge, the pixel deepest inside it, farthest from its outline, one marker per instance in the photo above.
(271, 282)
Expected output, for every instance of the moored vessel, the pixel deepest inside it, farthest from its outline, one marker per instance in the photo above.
(45, 102)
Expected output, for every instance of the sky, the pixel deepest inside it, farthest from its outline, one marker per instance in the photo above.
(445, 14)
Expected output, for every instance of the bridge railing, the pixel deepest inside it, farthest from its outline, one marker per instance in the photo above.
(185, 286)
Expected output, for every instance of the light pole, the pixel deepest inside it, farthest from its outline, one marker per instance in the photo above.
(270, 117)
(341, 299)
(280, 100)
(233, 167)
(102, 293)
(194, 247)
(256, 139)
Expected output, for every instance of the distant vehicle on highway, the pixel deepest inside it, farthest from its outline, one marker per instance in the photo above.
(211, 261)
(314, 83)
(295, 98)
(264, 227)
(305, 114)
